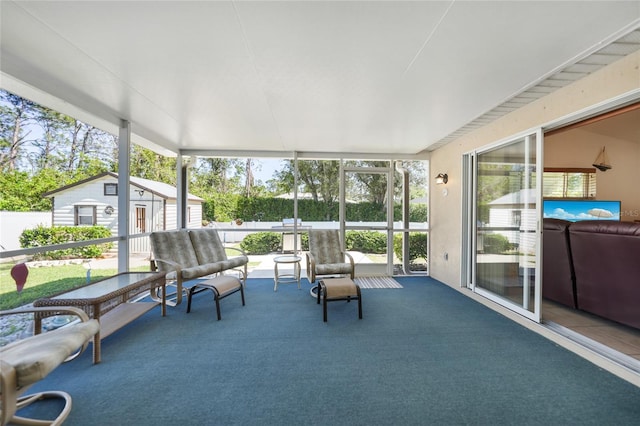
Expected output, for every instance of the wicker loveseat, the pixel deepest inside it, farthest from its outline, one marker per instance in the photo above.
(187, 254)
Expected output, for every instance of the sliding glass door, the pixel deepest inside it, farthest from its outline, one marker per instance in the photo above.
(503, 227)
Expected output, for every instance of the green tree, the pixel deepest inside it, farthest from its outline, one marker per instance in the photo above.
(417, 178)
(494, 181)
(373, 186)
(16, 114)
(34, 138)
(20, 191)
(216, 175)
(41, 150)
(148, 164)
(319, 178)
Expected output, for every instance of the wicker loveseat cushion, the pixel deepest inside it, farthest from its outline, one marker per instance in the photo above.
(176, 246)
(210, 250)
(207, 245)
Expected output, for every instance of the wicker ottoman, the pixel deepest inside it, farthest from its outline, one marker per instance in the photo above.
(334, 289)
(222, 286)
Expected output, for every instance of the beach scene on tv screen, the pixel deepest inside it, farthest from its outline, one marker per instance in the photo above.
(574, 210)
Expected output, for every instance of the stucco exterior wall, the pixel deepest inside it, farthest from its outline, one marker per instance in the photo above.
(619, 78)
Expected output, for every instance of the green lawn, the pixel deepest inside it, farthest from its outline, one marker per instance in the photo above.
(46, 281)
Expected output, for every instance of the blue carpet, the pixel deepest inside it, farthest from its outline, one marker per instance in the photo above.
(422, 355)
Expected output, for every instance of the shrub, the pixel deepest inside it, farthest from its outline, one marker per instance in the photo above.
(496, 243)
(261, 242)
(225, 207)
(366, 241)
(417, 246)
(46, 236)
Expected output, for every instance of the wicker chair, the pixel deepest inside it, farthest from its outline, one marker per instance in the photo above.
(326, 256)
(27, 361)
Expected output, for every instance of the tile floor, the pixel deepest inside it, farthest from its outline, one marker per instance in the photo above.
(623, 339)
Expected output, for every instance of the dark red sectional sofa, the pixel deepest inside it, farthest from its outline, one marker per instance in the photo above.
(594, 266)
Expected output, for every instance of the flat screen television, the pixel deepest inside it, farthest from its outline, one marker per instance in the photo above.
(575, 210)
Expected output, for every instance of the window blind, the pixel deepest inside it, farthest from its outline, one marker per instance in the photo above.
(569, 183)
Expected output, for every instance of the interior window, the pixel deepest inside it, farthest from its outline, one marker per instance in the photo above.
(569, 183)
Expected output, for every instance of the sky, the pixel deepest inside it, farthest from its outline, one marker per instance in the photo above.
(267, 167)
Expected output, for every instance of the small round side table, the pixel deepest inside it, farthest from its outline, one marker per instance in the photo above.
(287, 277)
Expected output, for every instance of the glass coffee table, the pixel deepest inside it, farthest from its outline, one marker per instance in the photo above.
(111, 302)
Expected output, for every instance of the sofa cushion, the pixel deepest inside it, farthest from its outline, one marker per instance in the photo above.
(202, 270)
(207, 245)
(605, 259)
(333, 268)
(210, 250)
(558, 278)
(235, 262)
(609, 227)
(326, 247)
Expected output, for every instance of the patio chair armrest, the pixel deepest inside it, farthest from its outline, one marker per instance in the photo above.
(349, 257)
(311, 267)
(239, 250)
(173, 265)
(178, 270)
(47, 311)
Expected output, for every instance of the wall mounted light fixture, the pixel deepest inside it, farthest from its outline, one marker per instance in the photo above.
(140, 192)
(442, 178)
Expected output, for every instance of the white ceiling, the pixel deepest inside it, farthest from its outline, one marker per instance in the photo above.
(270, 77)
